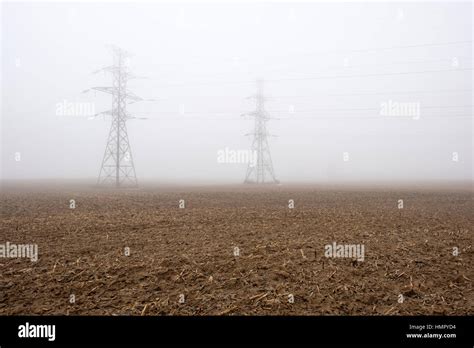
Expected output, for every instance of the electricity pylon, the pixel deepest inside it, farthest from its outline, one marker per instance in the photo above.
(117, 165)
(261, 171)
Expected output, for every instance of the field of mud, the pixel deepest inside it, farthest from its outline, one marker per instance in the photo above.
(237, 250)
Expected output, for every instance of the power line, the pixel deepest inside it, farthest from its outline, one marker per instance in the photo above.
(381, 93)
(318, 53)
(296, 118)
(368, 75)
(401, 73)
(387, 48)
(376, 117)
(262, 171)
(368, 109)
(298, 111)
(117, 164)
(317, 94)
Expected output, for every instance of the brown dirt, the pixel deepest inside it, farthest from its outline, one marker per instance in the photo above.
(190, 251)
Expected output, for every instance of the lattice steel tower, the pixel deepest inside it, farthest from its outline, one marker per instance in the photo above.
(117, 165)
(262, 171)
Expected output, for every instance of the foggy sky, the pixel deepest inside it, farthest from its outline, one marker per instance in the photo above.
(325, 61)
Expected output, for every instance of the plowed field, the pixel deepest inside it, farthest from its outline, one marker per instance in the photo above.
(236, 250)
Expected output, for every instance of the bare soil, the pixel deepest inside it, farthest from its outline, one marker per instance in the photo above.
(190, 251)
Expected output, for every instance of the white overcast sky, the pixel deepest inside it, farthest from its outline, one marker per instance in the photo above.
(333, 63)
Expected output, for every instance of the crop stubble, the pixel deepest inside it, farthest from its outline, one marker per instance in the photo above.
(190, 251)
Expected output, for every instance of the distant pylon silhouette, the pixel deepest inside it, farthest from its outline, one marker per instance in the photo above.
(117, 165)
(262, 170)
